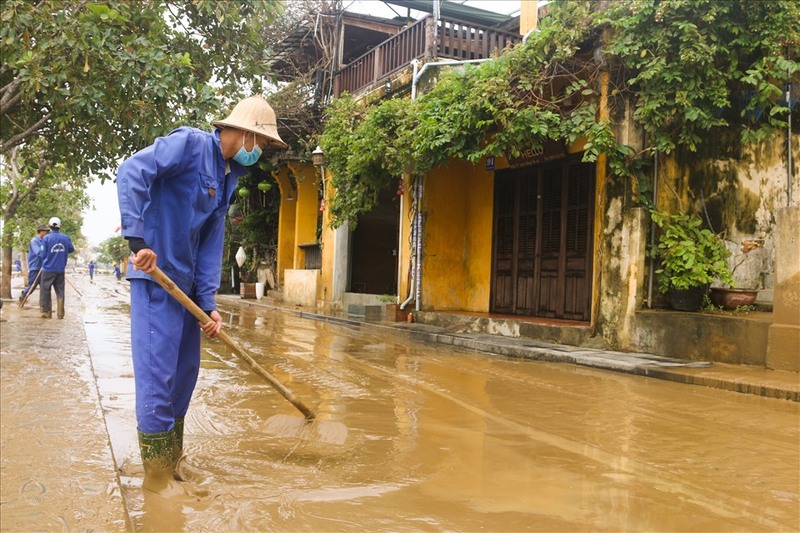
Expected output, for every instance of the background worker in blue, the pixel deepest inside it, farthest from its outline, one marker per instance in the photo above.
(56, 248)
(91, 271)
(173, 198)
(34, 260)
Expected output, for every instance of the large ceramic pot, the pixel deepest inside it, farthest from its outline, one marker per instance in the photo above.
(730, 299)
(690, 299)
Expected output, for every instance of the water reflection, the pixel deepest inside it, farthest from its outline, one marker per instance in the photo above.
(444, 439)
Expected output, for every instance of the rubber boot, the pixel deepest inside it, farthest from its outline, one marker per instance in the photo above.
(47, 314)
(60, 307)
(183, 470)
(157, 451)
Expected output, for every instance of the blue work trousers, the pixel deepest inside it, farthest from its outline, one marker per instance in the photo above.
(55, 280)
(165, 341)
(33, 282)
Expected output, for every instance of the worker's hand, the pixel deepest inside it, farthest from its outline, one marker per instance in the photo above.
(144, 260)
(214, 326)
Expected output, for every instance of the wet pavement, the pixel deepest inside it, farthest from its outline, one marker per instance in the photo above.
(442, 436)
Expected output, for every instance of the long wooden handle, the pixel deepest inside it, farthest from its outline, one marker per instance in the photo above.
(201, 316)
(30, 289)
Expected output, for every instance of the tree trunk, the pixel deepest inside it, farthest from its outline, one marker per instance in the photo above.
(5, 288)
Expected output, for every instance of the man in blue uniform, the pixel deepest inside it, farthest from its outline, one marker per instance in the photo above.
(56, 247)
(173, 198)
(34, 260)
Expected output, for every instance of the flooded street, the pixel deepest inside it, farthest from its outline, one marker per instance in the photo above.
(444, 440)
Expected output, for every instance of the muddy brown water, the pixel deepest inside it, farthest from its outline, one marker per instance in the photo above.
(442, 439)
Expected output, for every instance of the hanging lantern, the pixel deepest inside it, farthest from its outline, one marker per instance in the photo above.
(264, 186)
(244, 192)
(241, 256)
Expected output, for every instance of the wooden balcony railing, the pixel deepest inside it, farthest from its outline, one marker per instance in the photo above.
(454, 40)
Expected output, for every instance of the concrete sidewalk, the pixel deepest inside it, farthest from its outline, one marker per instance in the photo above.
(57, 465)
(737, 378)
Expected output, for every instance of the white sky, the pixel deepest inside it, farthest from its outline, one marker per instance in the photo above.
(378, 8)
(102, 218)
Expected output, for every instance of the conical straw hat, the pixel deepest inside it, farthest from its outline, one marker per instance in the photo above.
(254, 114)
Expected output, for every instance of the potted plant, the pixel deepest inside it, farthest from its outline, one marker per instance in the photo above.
(691, 258)
(393, 311)
(743, 291)
(247, 275)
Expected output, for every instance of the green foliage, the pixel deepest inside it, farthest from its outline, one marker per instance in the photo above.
(83, 84)
(689, 255)
(113, 250)
(690, 67)
(698, 65)
(55, 191)
(100, 81)
(258, 230)
(365, 147)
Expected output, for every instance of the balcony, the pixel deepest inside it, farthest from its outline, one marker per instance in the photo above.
(454, 39)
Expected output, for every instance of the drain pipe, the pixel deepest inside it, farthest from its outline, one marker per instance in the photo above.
(652, 234)
(418, 72)
(415, 287)
(789, 144)
(418, 295)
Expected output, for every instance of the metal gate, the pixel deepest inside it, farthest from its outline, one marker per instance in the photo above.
(543, 225)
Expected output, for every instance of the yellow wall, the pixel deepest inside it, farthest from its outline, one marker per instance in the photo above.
(325, 285)
(457, 247)
(405, 245)
(286, 223)
(307, 210)
(528, 16)
(456, 270)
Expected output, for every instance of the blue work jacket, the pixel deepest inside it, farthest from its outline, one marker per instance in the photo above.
(175, 194)
(55, 248)
(34, 253)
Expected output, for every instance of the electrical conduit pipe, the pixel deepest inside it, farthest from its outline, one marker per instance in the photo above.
(415, 287)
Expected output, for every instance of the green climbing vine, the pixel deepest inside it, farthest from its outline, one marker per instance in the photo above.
(689, 67)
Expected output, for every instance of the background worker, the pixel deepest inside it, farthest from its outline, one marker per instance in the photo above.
(56, 248)
(173, 199)
(34, 260)
(91, 271)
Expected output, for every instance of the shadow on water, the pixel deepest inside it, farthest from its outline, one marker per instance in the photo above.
(444, 439)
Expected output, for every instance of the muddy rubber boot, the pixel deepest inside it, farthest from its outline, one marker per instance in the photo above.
(60, 307)
(47, 314)
(183, 470)
(157, 451)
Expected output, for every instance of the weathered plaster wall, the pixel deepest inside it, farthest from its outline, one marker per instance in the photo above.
(480, 209)
(286, 224)
(404, 241)
(300, 287)
(783, 350)
(738, 189)
(307, 210)
(619, 255)
(329, 250)
(457, 238)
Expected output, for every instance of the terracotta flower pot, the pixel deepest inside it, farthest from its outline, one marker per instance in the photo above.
(730, 299)
(395, 314)
(247, 290)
